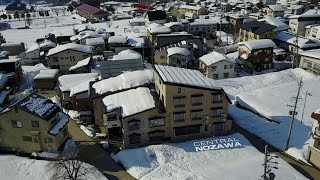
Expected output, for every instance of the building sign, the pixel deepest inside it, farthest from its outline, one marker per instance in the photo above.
(215, 144)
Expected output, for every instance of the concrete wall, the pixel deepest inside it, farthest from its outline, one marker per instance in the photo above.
(311, 64)
(12, 137)
(219, 70)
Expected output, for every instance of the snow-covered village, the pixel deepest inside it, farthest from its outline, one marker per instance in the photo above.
(159, 89)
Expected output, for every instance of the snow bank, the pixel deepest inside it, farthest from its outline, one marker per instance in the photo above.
(183, 161)
(16, 168)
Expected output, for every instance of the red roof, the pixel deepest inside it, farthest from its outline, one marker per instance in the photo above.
(89, 9)
(315, 116)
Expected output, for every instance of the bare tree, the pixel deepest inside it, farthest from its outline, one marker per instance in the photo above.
(69, 167)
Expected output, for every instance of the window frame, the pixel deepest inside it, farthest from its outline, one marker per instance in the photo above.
(152, 125)
(179, 113)
(134, 121)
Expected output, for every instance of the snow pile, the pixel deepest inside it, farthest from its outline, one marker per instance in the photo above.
(125, 80)
(131, 101)
(16, 168)
(229, 157)
(89, 132)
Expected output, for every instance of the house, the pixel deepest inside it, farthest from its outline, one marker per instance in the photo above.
(83, 66)
(161, 53)
(255, 30)
(217, 66)
(203, 27)
(84, 35)
(64, 56)
(157, 16)
(33, 124)
(175, 26)
(98, 44)
(191, 12)
(31, 56)
(275, 10)
(15, 49)
(310, 60)
(92, 14)
(313, 31)
(296, 9)
(74, 90)
(155, 29)
(167, 39)
(179, 57)
(236, 20)
(123, 82)
(12, 69)
(127, 60)
(46, 79)
(256, 55)
(298, 23)
(313, 153)
(16, 6)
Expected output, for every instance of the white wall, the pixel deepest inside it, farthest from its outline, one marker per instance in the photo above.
(220, 70)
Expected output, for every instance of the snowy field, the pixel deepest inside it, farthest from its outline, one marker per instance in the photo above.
(191, 160)
(17, 168)
(268, 96)
(63, 25)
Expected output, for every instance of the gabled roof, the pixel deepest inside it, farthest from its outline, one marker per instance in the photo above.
(276, 7)
(185, 77)
(156, 15)
(70, 46)
(258, 44)
(280, 26)
(214, 57)
(257, 27)
(39, 106)
(90, 9)
(291, 39)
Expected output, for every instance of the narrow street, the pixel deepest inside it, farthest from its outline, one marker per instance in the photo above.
(308, 171)
(94, 154)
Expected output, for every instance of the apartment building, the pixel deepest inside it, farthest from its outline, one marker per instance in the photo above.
(310, 60)
(65, 56)
(33, 124)
(275, 10)
(298, 23)
(313, 31)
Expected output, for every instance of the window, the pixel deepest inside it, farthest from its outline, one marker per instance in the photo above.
(16, 124)
(35, 123)
(179, 116)
(213, 68)
(255, 53)
(185, 130)
(179, 101)
(196, 100)
(55, 59)
(27, 138)
(112, 117)
(156, 135)
(155, 122)
(48, 140)
(134, 124)
(216, 112)
(134, 138)
(215, 76)
(216, 98)
(162, 57)
(225, 75)
(179, 90)
(225, 66)
(231, 66)
(218, 127)
(196, 115)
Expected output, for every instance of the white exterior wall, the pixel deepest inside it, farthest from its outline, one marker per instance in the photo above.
(220, 70)
(299, 27)
(178, 60)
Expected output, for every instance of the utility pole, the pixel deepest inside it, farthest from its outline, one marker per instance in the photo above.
(293, 113)
(268, 165)
(265, 161)
(304, 105)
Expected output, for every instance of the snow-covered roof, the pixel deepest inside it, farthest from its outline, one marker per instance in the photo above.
(258, 44)
(126, 55)
(125, 80)
(33, 48)
(38, 106)
(63, 120)
(80, 64)
(305, 15)
(184, 76)
(158, 28)
(178, 50)
(169, 24)
(48, 44)
(136, 41)
(213, 20)
(132, 101)
(87, 34)
(214, 57)
(315, 53)
(190, 7)
(117, 39)
(69, 81)
(94, 41)
(70, 46)
(291, 39)
(47, 74)
(280, 26)
(276, 7)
